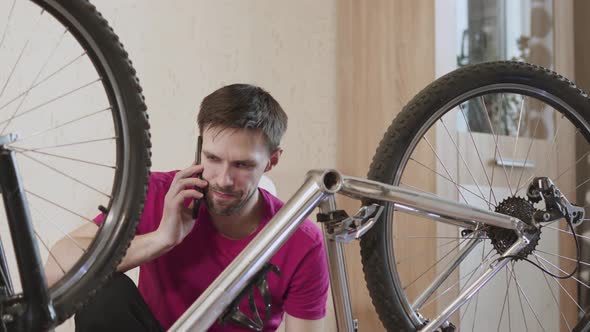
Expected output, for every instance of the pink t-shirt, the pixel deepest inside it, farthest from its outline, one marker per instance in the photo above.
(172, 282)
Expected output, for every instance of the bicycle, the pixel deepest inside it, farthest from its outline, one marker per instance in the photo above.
(73, 115)
(435, 288)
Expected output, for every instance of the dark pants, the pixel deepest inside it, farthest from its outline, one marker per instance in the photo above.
(117, 306)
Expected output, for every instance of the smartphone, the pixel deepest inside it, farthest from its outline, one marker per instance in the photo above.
(197, 202)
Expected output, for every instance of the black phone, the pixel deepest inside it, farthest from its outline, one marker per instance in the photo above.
(197, 202)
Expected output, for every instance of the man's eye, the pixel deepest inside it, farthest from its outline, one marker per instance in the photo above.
(212, 158)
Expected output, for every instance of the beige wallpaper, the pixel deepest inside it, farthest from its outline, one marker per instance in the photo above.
(184, 50)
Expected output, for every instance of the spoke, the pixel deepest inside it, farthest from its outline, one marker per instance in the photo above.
(49, 220)
(20, 150)
(59, 206)
(466, 294)
(477, 151)
(45, 103)
(13, 69)
(444, 167)
(555, 147)
(469, 274)
(7, 23)
(62, 124)
(67, 176)
(508, 308)
(492, 184)
(49, 251)
(423, 252)
(567, 258)
(562, 271)
(521, 306)
(451, 181)
(67, 144)
(483, 259)
(555, 144)
(504, 303)
(553, 295)
(444, 273)
(463, 159)
(566, 232)
(517, 131)
(7, 281)
(41, 81)
(529, 150)
(466, 310)
(414, 187)
(433, 265)
(571, 166)
(526, 298)
(434, 237)
(20, 56)
(578, 186)
(22, 101)
(496, 143)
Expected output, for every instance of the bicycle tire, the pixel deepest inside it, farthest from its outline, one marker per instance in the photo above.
(392, 154)
(128, 109)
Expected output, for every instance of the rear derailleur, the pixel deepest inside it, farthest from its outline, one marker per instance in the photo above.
(557, 205)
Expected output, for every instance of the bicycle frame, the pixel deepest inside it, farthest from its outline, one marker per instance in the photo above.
(38, 314)
(318, 191)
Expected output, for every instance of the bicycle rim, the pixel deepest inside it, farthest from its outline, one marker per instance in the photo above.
(457, 142)
(70, 93)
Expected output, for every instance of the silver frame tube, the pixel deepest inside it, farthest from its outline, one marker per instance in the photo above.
(426, 205)
(338, 277)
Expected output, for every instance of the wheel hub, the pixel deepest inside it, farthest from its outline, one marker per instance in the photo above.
(502, 238)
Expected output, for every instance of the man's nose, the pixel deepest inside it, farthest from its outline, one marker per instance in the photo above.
(226, 178)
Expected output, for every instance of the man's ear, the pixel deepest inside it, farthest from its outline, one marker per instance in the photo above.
(274, 159)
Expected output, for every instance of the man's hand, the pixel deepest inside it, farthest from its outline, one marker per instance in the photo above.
(177, 220)
(176, 223)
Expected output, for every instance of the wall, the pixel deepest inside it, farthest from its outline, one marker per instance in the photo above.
(183, 50)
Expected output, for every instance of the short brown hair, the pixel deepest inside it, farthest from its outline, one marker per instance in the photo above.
(244, 106)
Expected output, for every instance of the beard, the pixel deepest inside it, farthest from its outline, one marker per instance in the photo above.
(229, 207)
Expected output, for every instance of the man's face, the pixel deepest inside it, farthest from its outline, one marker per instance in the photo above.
(233, 160)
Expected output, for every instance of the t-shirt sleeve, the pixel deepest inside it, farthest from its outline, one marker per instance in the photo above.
(308, 291)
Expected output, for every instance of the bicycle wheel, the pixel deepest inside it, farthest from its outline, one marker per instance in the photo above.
(478, 136)
(69, 91)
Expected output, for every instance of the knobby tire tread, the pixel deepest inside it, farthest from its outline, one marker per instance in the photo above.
(137, 121)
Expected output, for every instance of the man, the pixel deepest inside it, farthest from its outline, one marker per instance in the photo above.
(179, 256)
